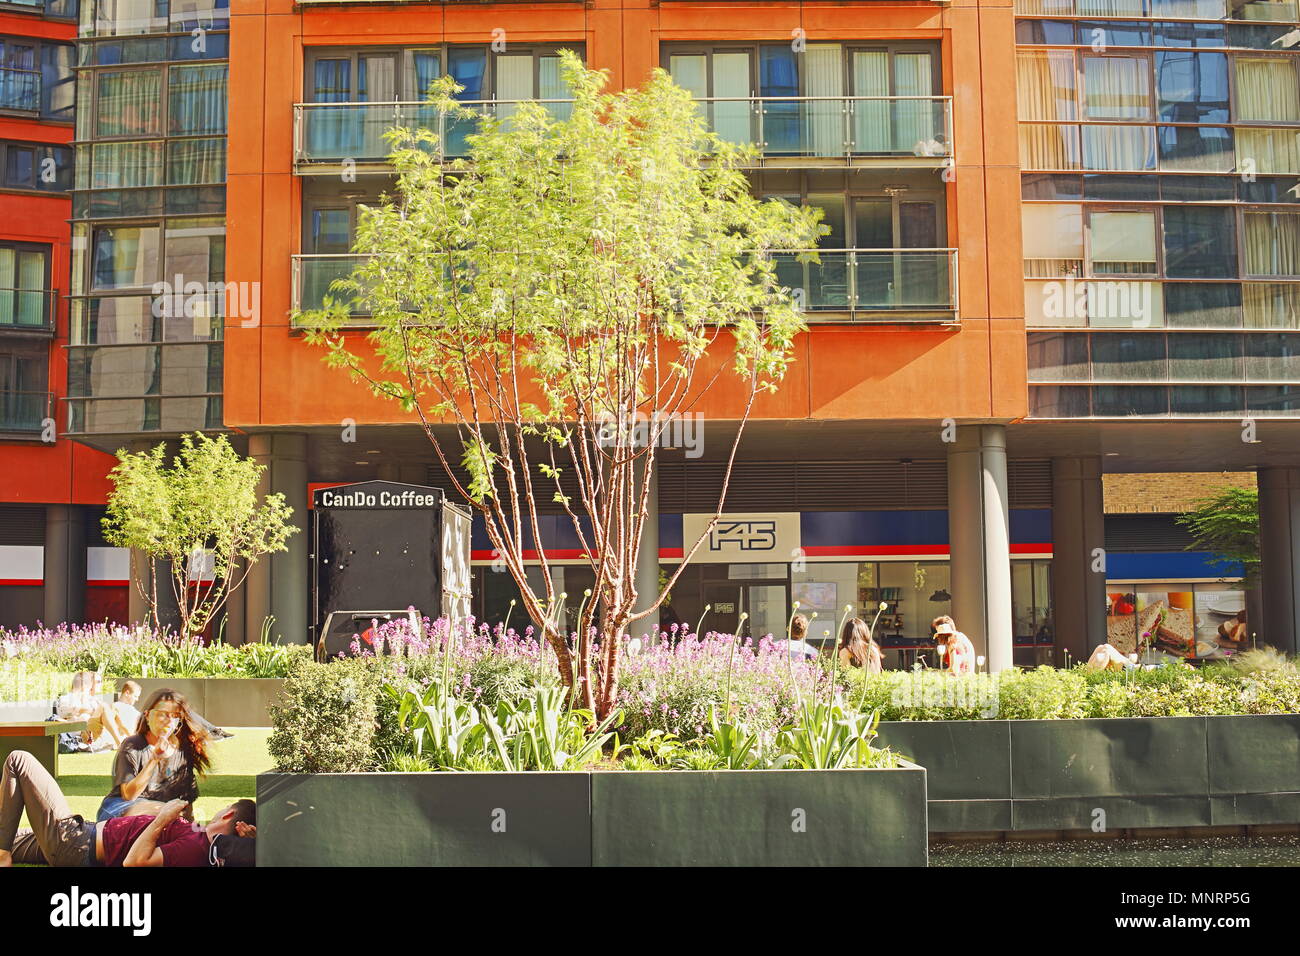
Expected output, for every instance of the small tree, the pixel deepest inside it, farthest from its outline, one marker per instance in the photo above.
(556, 303)
(1226, 522)
(200, 517)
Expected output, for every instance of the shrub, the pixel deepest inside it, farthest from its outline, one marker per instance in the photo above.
(325, 719)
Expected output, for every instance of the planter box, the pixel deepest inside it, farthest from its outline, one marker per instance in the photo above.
(609, 818)
(1140, 772)
(759, 818)
(225, 701)
(424, 819)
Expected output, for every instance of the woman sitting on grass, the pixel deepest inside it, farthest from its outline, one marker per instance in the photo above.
(162, 760)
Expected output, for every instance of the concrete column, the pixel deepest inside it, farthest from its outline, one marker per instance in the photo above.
(65, 564)
(1078, 557)
(647, 562)
(1279, 553)
(277, 585)
(979, 537)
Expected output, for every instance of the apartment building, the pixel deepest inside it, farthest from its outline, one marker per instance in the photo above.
(941, 439)
(51, 488)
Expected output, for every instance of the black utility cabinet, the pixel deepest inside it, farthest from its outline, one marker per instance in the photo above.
(378, 548)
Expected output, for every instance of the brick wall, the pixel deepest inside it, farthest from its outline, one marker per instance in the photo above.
(1166, 493)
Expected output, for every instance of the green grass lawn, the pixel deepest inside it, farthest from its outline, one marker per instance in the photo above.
(86, 778)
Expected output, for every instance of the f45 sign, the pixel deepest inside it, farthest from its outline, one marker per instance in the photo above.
(743, 537)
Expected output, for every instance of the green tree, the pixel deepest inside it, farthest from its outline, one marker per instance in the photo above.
(551, 307)
(1226, 522)
(199, 519)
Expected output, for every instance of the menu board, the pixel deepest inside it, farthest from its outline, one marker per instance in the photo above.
(1179, 624)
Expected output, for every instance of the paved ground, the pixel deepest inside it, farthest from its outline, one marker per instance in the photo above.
(87, 778)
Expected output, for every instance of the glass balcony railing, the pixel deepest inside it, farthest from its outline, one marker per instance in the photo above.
(27, 309)
(884, 285)
(885, 281)
(354, 132)
(20, 89)
(905, 130)
(845, 127)
(24, 411)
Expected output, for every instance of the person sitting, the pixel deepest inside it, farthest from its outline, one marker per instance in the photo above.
(797, 646)
(60, 838)
(161, 760)
(858, 649)
(83, 703)
(124, 707)
(1107, 657)
(953, 645)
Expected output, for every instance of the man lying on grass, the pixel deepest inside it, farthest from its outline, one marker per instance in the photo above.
(61, 838)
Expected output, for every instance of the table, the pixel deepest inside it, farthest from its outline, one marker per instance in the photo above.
(40, 739)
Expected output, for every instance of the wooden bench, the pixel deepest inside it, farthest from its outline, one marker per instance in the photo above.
(38, 738)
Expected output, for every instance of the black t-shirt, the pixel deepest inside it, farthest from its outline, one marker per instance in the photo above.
(173, 780)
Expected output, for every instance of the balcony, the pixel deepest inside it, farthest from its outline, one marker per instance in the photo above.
(887, 131)
(27, 310)
(884, 286)
(862, 131)
(20, 89)
(327, 135)
(24, 413)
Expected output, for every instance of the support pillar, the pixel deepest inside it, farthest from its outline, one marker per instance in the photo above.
(979, 537)
(647, 562)
(1279, 553)
(1078, 557)
(65, 564)
(277, 585)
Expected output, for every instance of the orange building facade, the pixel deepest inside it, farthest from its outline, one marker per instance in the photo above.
(52, 489)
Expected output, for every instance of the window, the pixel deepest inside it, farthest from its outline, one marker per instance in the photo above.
(1058, 357)
(124, 257)
(1202, 305)
(35, 166)
(1122, 243)
(1205, 357)
(1116, 87)
(129, 103)
(24, 279)
(1119, 147)
(196, 161)
(36, 76)
(1192, 87)
(1053, 239)
(1199, 242)
(196, 99)
(1272, 241)
(126, 165)
(1205, 149)
(1268, 90)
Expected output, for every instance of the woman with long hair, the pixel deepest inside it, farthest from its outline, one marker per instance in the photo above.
(858, 649)
(162, 760)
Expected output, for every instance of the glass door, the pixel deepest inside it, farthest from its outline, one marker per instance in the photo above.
(894, 278)
(720, 73)
(901, 125)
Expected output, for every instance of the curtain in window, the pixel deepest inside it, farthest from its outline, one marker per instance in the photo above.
(872, 131)
(1119, 147)
(129, 103)
(422, 68)
(1110, 8)
(914, 122)
(1122, 243)
(1116, 88)
(824, 119)
(1267, 90)
(1044, 8)
(1264, 10)
(1045, 84)
(731, 120)
(198, 99)
(328, 135)
(1049, 147)
(1053, 239)
(1271, 150)
(1272, 243)
(468, 67)
(514, 82)
(126, 165)
(196, 162)
(8, 283)
(1271, 305)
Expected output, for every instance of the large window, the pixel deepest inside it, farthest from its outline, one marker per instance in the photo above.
(129, 103)
(36, 76)
(1268, 90)
(37, 166)
(24, 281)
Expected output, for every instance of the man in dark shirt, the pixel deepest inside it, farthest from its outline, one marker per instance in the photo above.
(61, 838)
